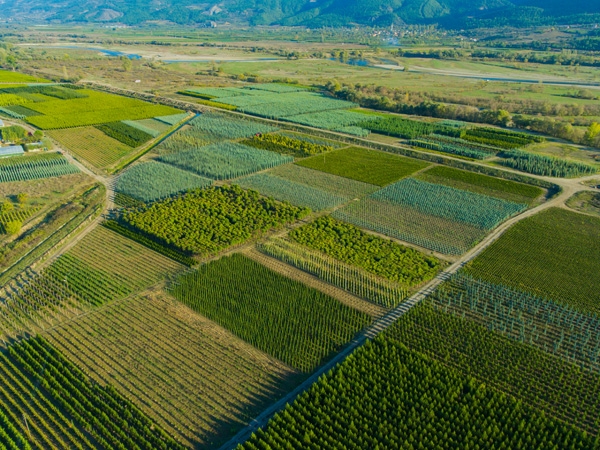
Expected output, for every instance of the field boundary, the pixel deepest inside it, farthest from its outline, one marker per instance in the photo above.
(384, 322)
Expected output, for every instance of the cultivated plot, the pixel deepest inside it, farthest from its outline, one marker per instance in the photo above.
(288, 320)
(91, 145)
(368, 166)
(554, 254)
(195, 379)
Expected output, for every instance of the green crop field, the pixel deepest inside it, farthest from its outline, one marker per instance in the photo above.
(561, 390)
(554, 254)
(105, 266)
(350, 278)
(324, 181)
(128, 135)
(225, 160)
(226, 127)
(7, 76)
(23, 168)
(92, 145)
(298, 194)
(152, 181)
(93, 109)
(101, 405)
(160, 353)
(552, 327)
(435, 217)
(389, 396)
(209, 220)
(382, 257)
(286, 145)
(283, 317)
(449, 203)
(482, 184)
(368, 166)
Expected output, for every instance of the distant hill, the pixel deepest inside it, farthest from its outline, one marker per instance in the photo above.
(312, 13)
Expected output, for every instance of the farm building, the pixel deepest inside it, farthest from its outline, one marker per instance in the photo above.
(11, 150)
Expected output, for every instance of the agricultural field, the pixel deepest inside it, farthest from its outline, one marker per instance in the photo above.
(225, 160)
(381, 257)
(225, 127)
(531, 257)
(23, 168)
(152, 181)
(106, 266)
(86, 403)
(298, 194)
(363, 403)
(91, 145)
(194, 223)
(436, 217)
(9, 76)
(290, 237)
(368, 166)
(276, 105)
(561, 390)
(128, 135)
(552, 327)
(333, 184)
(444, 236)
(93, 108)
(152, 127)
(482, 184)
(161, 354)
(286, 145)
(546, 165)
(352, 279)
(282, 317)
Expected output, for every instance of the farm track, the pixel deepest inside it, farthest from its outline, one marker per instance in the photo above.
(312, 281)
(389, 319)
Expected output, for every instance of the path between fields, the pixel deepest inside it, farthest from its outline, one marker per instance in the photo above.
(384, 322)
(305, 278)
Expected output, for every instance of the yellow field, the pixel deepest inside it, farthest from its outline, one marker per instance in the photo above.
(92, 145)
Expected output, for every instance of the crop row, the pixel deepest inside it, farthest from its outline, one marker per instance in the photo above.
(24, 168)
(221, 126)
(298, 194)
(124, 133)
(206, 221)
(288, 320)
(110, 418)
(345, 276)
(557, 388)
(407, 128)
(152, 181)
(388, 396)
(554, 328)
(411, 225)
(225, 160)
(157, 352)
(449, 203)
(381, 257)
(545, 165)
(331, 120)
(453, 149)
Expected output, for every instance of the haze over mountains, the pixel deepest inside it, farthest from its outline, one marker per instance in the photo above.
(312, 13)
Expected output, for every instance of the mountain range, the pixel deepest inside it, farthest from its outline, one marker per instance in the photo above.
(312, 13)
